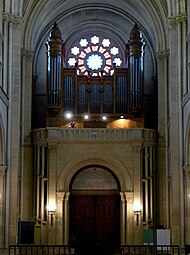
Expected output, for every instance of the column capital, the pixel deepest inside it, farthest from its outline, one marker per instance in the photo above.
(162, 54)
(137, 147)
(181, 17)
(26, 53)
(67, 196)
(172, 23)
(186, 170)
(122, 197)
(52, 147)
(60, 197)
(129, 196)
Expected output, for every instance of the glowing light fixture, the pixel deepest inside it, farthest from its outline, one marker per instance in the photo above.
(51, 212)
(137, 212)
(68, 115)
(86, 116)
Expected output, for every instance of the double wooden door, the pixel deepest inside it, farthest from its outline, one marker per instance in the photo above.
(95, 224)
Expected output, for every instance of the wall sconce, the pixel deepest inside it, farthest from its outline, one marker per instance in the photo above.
(51, 213)
(137, 213)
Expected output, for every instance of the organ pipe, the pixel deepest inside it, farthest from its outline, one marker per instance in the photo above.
(136, 63)
(54, 69)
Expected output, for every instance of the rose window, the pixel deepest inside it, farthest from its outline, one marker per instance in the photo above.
(94, 56)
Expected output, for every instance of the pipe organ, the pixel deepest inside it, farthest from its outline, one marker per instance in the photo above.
(103, 93)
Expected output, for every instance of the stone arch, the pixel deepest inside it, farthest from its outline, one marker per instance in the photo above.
(94, 177)
(115, 166)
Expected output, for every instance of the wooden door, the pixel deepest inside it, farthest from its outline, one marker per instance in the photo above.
(95, 224)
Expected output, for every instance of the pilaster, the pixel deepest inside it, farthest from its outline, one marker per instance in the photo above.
(59, 217)
(129, 197)
(127, 218)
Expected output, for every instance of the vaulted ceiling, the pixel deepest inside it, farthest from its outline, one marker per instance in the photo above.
(115, 17)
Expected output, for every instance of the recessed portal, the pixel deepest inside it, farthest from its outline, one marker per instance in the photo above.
(94, 212)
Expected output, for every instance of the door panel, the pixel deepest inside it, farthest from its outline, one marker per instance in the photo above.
(95, 223)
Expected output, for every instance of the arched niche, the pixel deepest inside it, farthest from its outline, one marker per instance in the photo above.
(94, 178)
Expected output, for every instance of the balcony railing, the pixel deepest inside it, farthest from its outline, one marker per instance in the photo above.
(150, 249)
(141, 135)
(32, 249)
(65, 249)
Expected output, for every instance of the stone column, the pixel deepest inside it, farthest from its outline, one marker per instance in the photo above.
(66, 219)
(175, 131)
(182, 91)
(182, 36)
(27, 60)
(2, 205)
(163, 127)
(163, 138)
(5, 53)
(123, 219)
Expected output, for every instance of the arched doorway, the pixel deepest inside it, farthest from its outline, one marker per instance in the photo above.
(94, 206)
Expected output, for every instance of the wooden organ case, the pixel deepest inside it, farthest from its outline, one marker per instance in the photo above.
(112, 101)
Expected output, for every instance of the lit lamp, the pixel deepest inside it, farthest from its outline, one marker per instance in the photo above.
(137, 213)
(51, 213)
